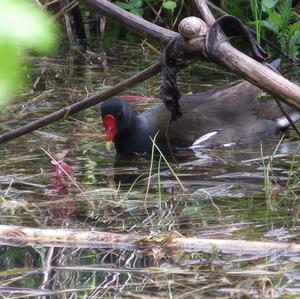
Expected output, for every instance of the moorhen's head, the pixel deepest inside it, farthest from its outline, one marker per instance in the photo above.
(117, 117)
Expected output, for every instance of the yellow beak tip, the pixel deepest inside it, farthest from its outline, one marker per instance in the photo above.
(108, 145)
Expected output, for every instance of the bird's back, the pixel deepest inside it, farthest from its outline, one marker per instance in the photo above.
(233, 112)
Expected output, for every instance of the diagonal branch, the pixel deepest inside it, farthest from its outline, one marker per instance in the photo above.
(84, 104)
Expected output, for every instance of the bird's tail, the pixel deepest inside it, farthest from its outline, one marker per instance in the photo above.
(282, 122)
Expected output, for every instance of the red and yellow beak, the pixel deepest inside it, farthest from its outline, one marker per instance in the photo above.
(110, 126)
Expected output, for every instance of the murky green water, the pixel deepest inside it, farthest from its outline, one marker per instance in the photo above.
(226, 196)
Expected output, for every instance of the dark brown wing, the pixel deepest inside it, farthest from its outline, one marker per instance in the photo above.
(233, 111)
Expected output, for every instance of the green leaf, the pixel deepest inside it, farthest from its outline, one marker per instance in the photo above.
(294, 44)
(267, 4)
(27, 25)
(123, 5)
(292, 29)
(270, 25)
(275, 18)
(170, 5)
(190, 210)
(137, 11)
(285, 11)
(10, 63)
(282, 39)
(136, 3)
(23, 26)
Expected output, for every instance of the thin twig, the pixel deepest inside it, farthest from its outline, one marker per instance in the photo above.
(168, 164)
(288, 117)
(150, 172)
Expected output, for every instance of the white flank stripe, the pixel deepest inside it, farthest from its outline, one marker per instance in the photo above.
(282, 122)
(203, 138)
(228, 144)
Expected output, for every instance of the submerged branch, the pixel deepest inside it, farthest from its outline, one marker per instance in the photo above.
(27, 236)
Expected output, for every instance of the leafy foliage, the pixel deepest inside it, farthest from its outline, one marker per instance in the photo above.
(138, 7)
(23, 27)
(133, 6)
(170, 5)
(256, 9)
(266, 4)
(276, 16)
(283, 23)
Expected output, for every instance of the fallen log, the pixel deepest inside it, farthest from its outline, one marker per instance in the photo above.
(27, 236)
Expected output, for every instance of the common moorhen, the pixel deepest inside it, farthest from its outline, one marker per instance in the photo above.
(225, 116)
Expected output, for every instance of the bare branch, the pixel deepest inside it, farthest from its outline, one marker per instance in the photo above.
(205, 12)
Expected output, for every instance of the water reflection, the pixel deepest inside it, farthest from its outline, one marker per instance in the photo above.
(236, 166)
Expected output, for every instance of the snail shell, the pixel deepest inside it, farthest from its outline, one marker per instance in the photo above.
(191, 27)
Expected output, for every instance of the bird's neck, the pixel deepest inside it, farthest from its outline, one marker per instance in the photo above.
(135, 138)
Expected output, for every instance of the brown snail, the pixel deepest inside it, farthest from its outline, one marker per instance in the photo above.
(192, 27)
